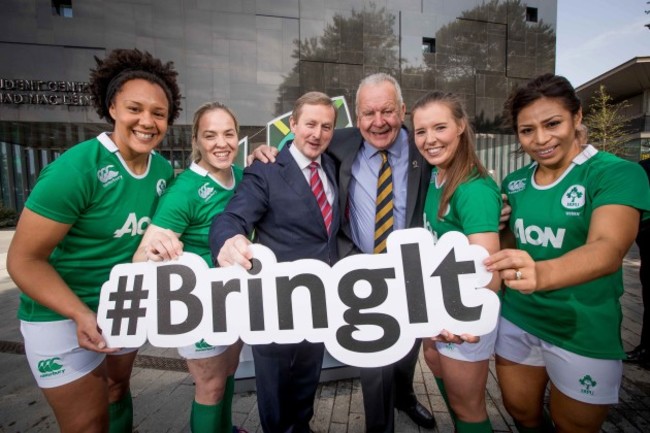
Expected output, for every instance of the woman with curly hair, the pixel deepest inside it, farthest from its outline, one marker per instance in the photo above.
(86, 214)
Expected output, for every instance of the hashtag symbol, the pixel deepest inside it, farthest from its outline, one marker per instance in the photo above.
(131, 313)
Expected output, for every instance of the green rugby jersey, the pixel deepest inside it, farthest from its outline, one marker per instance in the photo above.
(474, 207)
(551, 220)
(189, 205)
(108, 207)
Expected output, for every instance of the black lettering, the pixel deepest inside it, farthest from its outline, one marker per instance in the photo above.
(183, 294)
(414, 283)
(285, 287)
(256, 304)
(353, 316)
(220, 291)
(448, 270)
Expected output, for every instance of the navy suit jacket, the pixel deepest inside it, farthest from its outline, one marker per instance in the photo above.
(277, 201)
(344, 148)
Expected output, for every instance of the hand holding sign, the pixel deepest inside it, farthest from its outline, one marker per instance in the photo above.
(367, 309)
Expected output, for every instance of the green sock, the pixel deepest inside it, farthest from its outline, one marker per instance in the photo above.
(226, 406)
(120, 415)
(522, 429)
(443, 392)
(474, 427)
(204, 418)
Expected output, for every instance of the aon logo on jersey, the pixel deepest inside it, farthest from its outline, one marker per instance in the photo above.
(133, 226)
(534, 235)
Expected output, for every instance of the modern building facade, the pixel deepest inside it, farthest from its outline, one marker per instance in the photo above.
(256, 56)
(629, 83)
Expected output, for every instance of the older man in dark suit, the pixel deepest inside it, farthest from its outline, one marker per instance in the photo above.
(378, 143)
(293, 207)
(378, 160)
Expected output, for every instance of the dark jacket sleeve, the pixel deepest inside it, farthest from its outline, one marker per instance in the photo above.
(245, 209)
(345, 144)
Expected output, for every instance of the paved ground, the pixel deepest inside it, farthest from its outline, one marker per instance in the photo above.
(162, 394)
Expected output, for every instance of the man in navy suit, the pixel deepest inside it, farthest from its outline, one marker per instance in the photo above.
(380, 114)
(278, 201)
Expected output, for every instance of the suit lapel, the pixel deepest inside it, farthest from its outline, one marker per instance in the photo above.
(295, 180)
(345, 177)
(417, 168)
(292, 174)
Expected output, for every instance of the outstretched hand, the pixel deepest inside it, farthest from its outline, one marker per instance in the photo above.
(163, 245)
(89, 334)
(236, 251)
(516, 268)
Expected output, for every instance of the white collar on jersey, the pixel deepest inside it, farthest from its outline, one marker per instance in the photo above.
(196, 168)
(106, 141)
(588, 152)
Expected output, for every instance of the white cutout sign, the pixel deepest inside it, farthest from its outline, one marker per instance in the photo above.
(367, 309)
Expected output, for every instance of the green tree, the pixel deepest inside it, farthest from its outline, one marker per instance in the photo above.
(490, 47)
(606, 122)
(351, 46)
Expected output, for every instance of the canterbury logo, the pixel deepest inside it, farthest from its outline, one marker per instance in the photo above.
(202, 345)
(107, 174)
(516, 185)
(205, 191)
(49, 365)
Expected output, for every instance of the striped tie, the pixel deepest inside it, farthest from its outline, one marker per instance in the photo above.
(384, 213)
(319, 192)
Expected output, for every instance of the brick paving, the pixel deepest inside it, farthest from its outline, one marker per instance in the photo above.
(162, 391)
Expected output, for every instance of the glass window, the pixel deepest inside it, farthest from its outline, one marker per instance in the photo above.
(32, 168)
(4, 174)
(45, 158)
(19, 178)
(177, 160)
(531, 15)
(428, 45)
(62, 8)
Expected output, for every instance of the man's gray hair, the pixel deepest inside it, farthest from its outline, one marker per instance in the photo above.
(378, 78)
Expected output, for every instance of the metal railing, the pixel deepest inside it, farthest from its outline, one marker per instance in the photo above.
(498, 152)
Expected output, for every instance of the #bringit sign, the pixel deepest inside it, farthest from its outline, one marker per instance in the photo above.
(367, 309)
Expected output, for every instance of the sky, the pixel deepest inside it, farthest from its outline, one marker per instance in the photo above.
(594, 36)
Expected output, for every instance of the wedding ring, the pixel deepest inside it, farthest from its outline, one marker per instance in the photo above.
(517, 275)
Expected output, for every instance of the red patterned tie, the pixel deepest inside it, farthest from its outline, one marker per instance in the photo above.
(319, 192)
